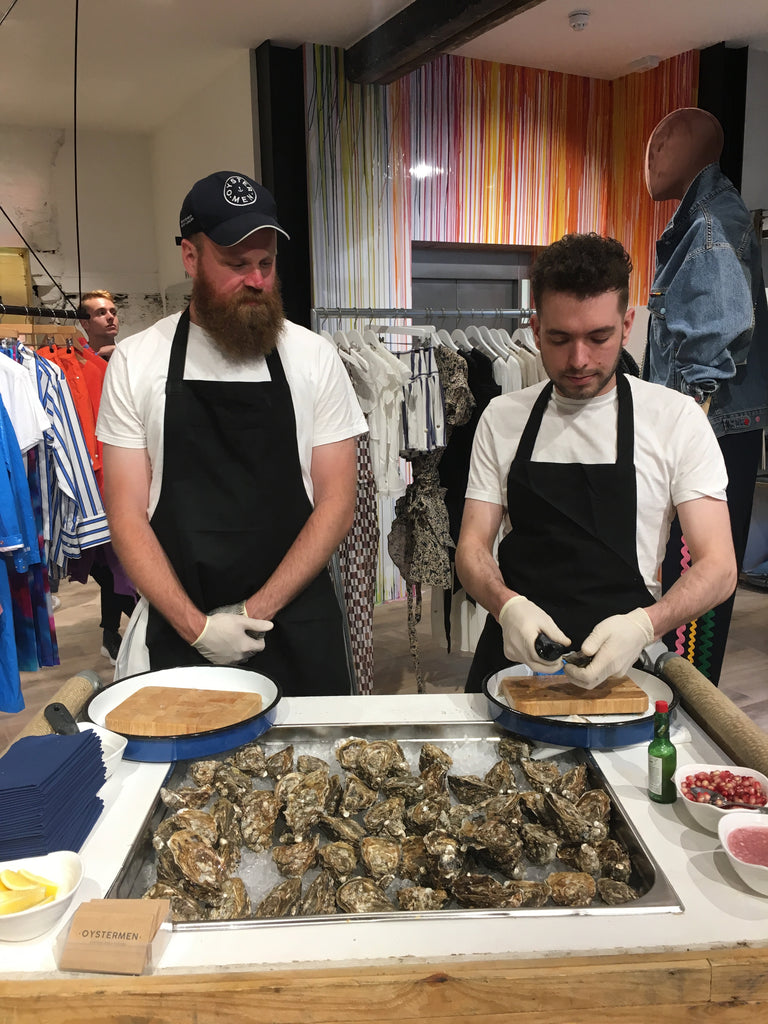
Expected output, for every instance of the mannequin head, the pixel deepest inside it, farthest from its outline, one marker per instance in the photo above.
(681, 145)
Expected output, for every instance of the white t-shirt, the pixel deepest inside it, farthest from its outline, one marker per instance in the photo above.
(677, 457)
(132, 409)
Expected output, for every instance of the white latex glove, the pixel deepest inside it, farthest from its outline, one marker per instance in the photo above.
(614, 645)
(225, 638)
(521, 622)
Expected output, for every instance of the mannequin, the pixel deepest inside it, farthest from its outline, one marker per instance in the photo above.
(708, 332)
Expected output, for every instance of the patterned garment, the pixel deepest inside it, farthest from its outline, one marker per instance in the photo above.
(358, 555)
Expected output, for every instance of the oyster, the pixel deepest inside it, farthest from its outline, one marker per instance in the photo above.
(380, 759)
(532, 894)
(543, 775)
(471, 890)
(333, 799)
(201, 822)
(386, 818)
(305, 763)
(339, 859)
(285, 785)
(413, 863)
(183, 906)
(434, 776)
(348, 751)
(427, 814)
(234, 903)
(594, 805)
(226, 816)
(532, 804)
(614, 860)
(306, 802)
(432, 754)
(419, 897)
(496, 842)
(469, 789)
(444, 857)
(232, 783)
(320, 897)
(573, 783)
(568, 823)
(251, 760)
(186, 796)
(202, 772)
(572, 888)
(228, 849)
(380, 857)
(362, 896)
(295, 860)
(165, 830)
(341, 828)
(357, 796)
(615, 893)
(410, 787)
(500, 778)
(540, 843)
(514, 749)
(457, 814)
(581, 856)
(196, 859)
(505, 807)
(282, 901)
(167, 869)
(280, 763)
(260, 811)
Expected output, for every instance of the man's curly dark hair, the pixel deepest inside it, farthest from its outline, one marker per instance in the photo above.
(584, 266)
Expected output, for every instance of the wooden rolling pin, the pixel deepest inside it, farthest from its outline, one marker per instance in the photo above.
(73, 694)
(728, 726)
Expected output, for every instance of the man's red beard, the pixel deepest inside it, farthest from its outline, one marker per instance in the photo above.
(244, 325)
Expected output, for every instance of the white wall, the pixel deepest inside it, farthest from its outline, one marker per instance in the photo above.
(212, 132)
(754, 178)
(117, 242)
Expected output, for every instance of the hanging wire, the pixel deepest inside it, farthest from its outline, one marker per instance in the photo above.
(34, 256)
(8, 11)
(74, 149)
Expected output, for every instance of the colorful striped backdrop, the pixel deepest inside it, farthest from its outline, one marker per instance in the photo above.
(472, 151)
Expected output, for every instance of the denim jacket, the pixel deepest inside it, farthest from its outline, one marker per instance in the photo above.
(708, 328)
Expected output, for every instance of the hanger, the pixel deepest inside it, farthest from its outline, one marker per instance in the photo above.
(341, 340)
(487, 336)
(445, 339)
(477, 341)
(462, 342)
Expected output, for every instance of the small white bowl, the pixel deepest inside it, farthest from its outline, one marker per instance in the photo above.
(753, 875)
(112, 744)
(707, 815)
(63, 868)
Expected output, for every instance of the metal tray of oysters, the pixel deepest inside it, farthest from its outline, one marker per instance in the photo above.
(328, 823)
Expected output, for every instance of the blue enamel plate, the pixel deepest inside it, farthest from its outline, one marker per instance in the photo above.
(597, 732)
(198, 744)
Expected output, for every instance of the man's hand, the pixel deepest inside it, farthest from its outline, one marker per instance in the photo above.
(521, 622)
(614, 645)
(228, 639)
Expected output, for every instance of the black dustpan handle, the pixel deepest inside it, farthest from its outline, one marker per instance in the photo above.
(60, 719)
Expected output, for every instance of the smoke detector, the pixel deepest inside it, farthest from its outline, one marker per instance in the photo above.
(578, 20)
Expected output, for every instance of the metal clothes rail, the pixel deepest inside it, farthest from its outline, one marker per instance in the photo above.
(367, 312)
(41, 311)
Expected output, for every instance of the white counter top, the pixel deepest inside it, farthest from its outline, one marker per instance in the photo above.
(719, 910)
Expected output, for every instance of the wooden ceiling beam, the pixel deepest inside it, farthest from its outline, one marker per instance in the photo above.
(422, 31)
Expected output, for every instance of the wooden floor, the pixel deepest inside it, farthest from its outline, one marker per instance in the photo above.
(744, 676)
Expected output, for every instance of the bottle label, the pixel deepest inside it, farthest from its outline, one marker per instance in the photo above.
(655, 782)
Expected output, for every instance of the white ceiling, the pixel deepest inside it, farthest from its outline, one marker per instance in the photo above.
(141, 60)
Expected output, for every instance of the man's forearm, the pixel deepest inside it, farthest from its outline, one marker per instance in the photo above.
(310, 553)
(481, 577)
(701, 588)
(153, 576)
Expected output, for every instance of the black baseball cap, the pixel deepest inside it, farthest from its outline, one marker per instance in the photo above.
(227, 207)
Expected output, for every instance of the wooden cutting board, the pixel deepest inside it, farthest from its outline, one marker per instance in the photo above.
(554, 695)
(179, 711)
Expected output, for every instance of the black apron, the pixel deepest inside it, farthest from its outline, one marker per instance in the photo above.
(572, 549)
(231, 504)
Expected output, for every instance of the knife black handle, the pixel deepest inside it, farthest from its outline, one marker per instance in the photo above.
(548, 650)
(60, 719)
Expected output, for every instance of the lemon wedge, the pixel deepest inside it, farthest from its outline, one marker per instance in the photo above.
(15, 880)
(50, 887)
(22, 899)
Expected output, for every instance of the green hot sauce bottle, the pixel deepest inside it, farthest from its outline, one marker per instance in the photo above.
(662, 758)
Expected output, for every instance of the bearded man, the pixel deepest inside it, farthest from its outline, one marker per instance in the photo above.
(229, 462)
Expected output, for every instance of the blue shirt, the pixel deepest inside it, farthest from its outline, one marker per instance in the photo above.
(708, 329)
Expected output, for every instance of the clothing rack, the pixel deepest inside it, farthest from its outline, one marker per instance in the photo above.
(41, 311)
(356, 312)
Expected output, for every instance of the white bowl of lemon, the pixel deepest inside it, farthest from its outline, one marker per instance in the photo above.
(35, 892)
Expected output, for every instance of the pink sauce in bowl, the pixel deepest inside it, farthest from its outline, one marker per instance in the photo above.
(750, 844)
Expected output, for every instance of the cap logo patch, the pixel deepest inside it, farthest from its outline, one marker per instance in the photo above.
(238, 191)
